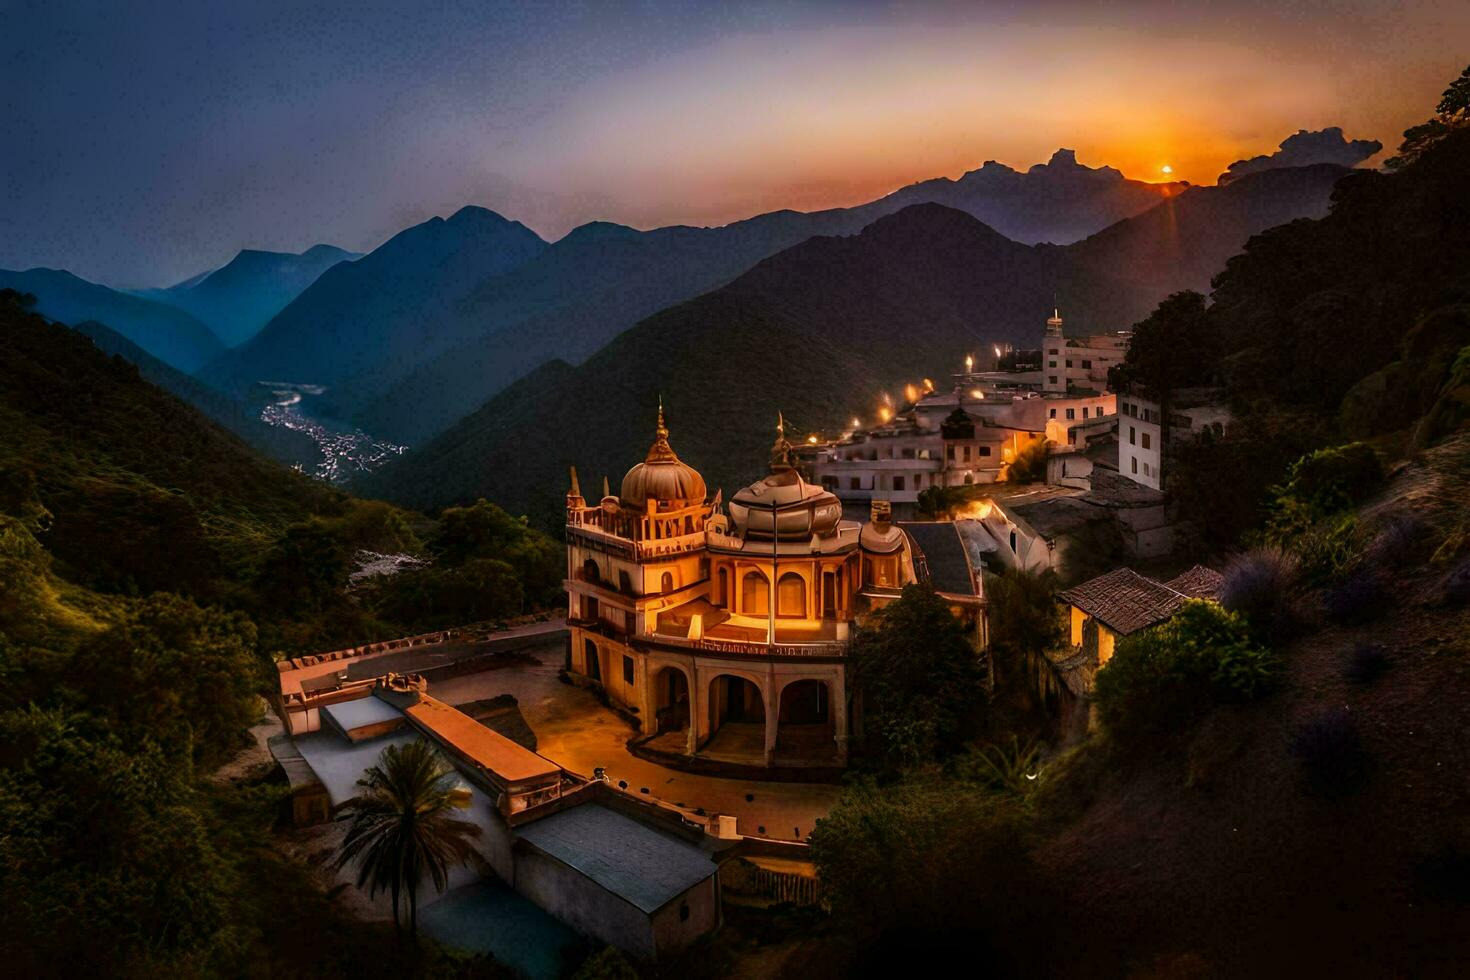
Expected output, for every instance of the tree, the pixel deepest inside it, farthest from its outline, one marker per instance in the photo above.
(1029, 466)
(921, 681)
(306, 569)
(400, 828)
(1451, 113)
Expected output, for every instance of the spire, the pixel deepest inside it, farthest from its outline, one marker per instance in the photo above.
(576, 490)
(781, 449)
(661, 451)
(606, 490)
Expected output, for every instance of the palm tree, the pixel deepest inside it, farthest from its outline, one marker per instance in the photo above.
(401, 828)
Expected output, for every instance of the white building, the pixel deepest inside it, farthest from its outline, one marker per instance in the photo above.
(1140, 430)
(1069, 363)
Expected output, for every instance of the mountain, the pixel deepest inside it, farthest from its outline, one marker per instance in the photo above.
(1185, 241)
(815, 332)
(285, 445)
(1060, 201)
(568, 302)
(383, 308)
(602, 278)
(239, 298)
(819, 329)
(169, 334)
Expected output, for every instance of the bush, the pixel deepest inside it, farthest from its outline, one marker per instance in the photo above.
(1029, 466)
(1358, 599)
(1331, 753)
(1329, 550)
(1366, 662)
(1264, 585)
(1161, 679)
(1454, 588)
(1323, 483)
(1398, 544)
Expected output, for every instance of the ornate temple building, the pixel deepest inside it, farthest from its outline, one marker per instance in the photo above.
(724, 629)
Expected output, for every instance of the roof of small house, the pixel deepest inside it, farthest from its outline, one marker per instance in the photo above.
(643, 866)
(363, 712)
(1126, 601)
(1198, 583)
(479, 744)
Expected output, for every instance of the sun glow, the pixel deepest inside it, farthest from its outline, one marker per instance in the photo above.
(1167, 169)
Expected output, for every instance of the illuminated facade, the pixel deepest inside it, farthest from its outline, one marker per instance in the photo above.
(724, 629)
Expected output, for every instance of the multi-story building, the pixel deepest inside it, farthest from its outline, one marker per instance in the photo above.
(1070, 363)
(724, 631)
(1141, 429)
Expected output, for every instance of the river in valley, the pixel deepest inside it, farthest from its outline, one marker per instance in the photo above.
(345, 450)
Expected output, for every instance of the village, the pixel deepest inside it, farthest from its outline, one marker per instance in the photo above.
(668, 745)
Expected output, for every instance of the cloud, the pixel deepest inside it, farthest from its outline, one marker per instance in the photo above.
(1304, 148)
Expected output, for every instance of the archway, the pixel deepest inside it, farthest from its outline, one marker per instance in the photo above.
(671, 700)
(590, 571)
(755, 594)
(737, 719)
(804, 730)
(791, 596)
(592, 662)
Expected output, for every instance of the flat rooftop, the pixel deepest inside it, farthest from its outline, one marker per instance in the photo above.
(363, 712)
(643, 866)
(482, 746)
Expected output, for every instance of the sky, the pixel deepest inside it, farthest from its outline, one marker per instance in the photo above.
(144, 142)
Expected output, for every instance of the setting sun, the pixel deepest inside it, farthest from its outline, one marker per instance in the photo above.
(1167, 169)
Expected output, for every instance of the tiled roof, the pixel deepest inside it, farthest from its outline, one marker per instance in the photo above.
(1198, 583)
(643, 866)
(1125, 601)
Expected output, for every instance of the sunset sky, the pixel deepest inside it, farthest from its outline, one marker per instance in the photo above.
(146, 142)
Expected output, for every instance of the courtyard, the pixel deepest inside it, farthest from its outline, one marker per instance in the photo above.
(581, 734)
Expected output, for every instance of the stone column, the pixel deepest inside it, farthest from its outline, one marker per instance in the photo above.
(839, 713)
(773, 712)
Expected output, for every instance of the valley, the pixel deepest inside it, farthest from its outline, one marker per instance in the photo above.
(346, 452)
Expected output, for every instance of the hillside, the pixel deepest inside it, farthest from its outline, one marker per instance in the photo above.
(284, 445)
(384, 308)
(169, 334)
(239, 298)
(143, 491)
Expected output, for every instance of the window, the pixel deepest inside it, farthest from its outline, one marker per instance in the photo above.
(1069, 362)
(1071, 414)
(1131, 433)
(1134, 461)
(898, 483)
(1013, 541)
(1054, 350)
(1087, 365)
(984, 450)
(627, 669)
(625, 583)
(1145, 440)
(949, 453)
(590, 660)
(666, 584)
(683, 911)
(967, 454)
(854, 484)
(1051, 378)
(1053, 414)
(1084, 411)
(1051, 363)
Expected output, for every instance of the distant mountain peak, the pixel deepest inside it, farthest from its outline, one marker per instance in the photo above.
(1063, 163)
(600, 231)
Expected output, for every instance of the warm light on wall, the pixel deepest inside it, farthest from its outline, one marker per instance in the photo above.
(885, 413)
(910, 393)
(928, 385)
(969, 363)
(977, 393)
(812, 439)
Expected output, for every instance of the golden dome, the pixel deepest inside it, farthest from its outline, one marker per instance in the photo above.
(662, 476)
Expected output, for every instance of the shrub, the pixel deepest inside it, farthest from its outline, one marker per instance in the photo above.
(1029, 466)
(1012, 768)
(1399, 543)
(1366, 662)
(1324, 482)
(1164, 677)
(1331, 753)
(1329, 550)
(1358, 599)
(1264, 585)
(1454, 588)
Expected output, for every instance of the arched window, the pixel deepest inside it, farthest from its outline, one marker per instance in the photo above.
(589, 654)
(755, 594)
(625, 582)
(666, 583)
(723, 597)
(791, 596)
(590, 571)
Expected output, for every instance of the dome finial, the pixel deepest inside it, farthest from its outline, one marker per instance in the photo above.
(781, 449)
(661, 451)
